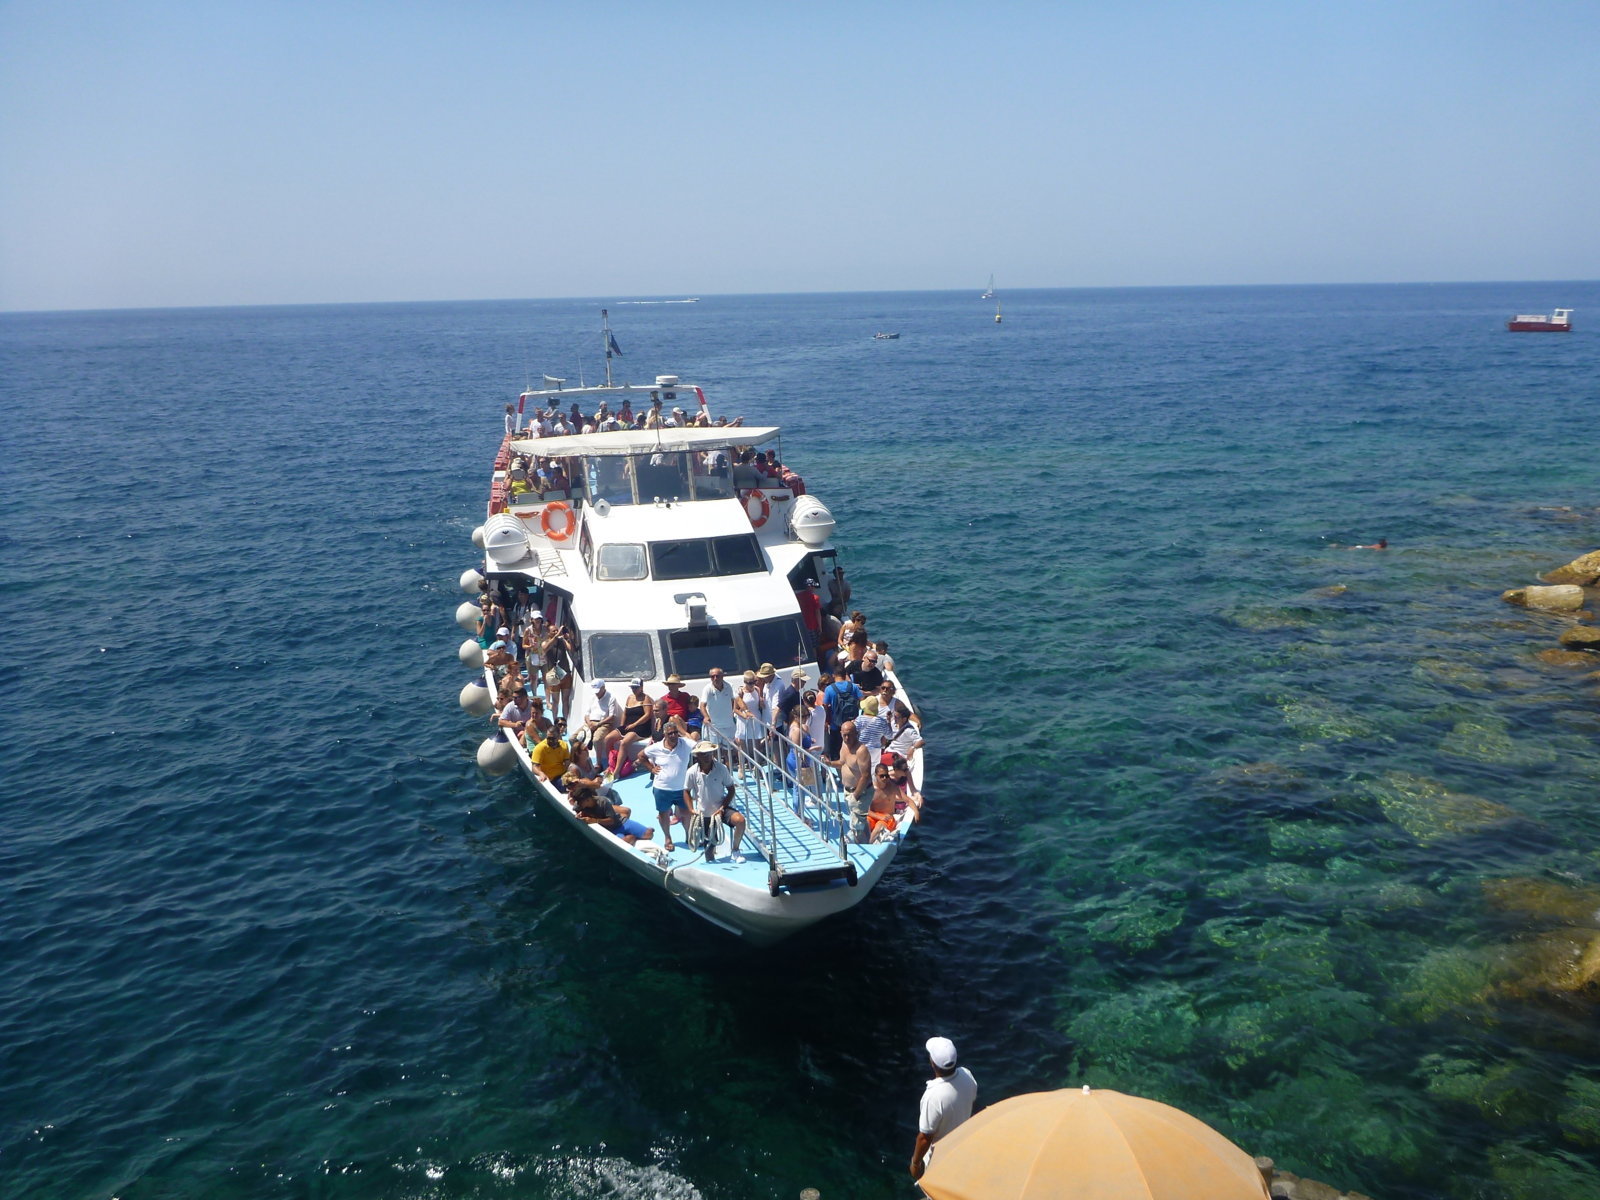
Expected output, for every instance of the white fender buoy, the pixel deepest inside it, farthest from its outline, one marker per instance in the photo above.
(467, 614)
(471, 654)
(495, 755)
(470, 579)
(475, 698)
(477, 537)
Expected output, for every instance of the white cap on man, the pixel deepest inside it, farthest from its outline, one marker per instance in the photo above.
(942, 1053)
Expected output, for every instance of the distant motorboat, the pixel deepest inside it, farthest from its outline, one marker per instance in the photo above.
(886, 337)
(1559, 322)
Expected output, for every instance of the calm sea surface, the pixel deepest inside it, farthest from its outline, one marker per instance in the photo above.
(1302, 839)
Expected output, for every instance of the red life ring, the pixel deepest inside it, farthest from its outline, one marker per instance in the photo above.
(756, 494)
(567, 525)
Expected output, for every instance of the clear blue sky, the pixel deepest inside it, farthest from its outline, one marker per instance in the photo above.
(172, 153)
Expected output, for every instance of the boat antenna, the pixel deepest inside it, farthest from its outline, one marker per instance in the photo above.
(607, 342)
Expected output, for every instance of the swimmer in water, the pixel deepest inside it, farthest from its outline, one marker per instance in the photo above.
(1380, 544)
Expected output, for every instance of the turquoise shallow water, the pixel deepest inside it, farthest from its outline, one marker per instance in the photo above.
(1299, 838)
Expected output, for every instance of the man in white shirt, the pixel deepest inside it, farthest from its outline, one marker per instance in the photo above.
(603, 716)
(946, 1101)
(668, 761)
(716, 706)
(709, 787)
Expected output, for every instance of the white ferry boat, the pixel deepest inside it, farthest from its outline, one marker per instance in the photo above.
(662, 555)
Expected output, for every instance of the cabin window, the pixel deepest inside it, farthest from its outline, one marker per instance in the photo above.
(781, 642)
(681, 560)
(701, 558)
(586, 548)
(661, 476)
(693, 652)
(713, 478)
(738, 554)
(610, 480)
(621, 656)
(620, 560)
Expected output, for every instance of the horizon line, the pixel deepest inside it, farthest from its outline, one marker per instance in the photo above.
(1144, 287)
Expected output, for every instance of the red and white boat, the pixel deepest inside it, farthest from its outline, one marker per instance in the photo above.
(1558, 322)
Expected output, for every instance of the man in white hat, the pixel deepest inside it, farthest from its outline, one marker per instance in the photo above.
(946, 1101)
(709, 787)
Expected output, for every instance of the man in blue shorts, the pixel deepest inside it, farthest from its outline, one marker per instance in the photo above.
(668, 763)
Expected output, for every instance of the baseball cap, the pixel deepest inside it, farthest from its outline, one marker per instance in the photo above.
(942, 1053)
(504, 631)
(599, 685)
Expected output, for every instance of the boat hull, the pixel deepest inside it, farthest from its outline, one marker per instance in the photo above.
(732, 904)
(1539, 326)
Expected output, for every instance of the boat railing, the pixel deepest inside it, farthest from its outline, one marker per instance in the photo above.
(810, 789)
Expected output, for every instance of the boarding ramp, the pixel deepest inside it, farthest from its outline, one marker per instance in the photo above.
(798, 818)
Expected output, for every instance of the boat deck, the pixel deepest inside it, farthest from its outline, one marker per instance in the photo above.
(788, 841)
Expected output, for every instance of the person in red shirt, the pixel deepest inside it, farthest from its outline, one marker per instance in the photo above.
(810, 610)
(677, 699)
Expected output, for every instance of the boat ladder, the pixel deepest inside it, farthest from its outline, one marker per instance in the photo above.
(811, 792)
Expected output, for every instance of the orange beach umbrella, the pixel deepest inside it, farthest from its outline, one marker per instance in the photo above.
(1089, 1145)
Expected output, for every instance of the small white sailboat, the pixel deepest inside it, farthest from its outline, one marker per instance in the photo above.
(988, 293)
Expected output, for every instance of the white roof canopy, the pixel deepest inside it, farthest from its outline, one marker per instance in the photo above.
(646, 441)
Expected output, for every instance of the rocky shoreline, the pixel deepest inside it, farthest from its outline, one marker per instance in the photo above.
(1284, 1186)
(1572, 590)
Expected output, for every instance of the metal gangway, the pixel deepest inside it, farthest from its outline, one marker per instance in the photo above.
(799, 818)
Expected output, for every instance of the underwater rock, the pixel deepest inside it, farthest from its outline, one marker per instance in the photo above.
(1545, 899)
(1486, 738)
(1562, 598)
(1583, 571)
(1524, 1174)
(1311, 717)
(1140, 922)
(1263, 618)
(1429, 811)
(1506, 1094)
(1562, 961)
(1450, 979)
(1156, 1022)
(1267, 775)
(1579, 1118)
(1454, 673)
(1581, 637)
(1565, 658)
(1291, 839)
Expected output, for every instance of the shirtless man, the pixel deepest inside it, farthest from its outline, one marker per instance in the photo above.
(854, 765)
(880, 812)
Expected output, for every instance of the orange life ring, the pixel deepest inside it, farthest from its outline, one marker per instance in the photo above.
(756, 522)
(567, 525)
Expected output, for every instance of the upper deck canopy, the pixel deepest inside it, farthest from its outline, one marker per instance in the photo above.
(646, 441)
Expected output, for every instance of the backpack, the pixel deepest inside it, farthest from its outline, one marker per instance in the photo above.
(844, 703)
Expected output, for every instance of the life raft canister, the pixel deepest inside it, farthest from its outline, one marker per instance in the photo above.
(548, 525)
(758, 516)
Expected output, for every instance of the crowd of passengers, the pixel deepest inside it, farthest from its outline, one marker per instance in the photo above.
(538, 474)
(851, 721)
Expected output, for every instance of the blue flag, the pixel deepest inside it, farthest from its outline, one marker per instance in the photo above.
(612, 347)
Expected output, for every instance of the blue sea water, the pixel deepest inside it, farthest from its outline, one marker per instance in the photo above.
(1305, 840)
